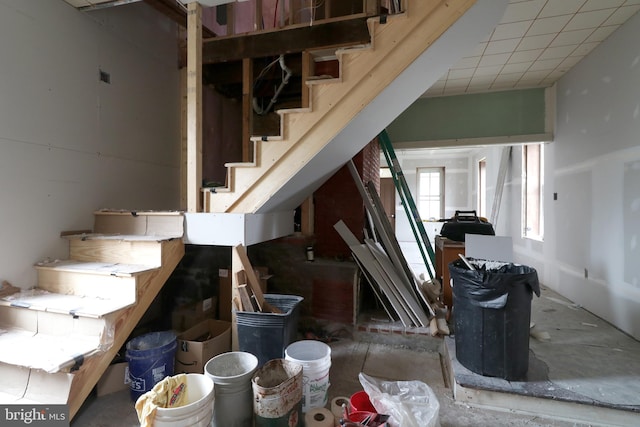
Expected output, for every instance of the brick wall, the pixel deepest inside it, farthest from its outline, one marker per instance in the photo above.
(339, 199)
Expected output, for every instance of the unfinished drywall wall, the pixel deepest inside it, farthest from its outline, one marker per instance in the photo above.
(589, 253)
(71, 143)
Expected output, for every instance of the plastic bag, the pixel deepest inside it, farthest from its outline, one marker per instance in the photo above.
(409, 403)
(489, 285)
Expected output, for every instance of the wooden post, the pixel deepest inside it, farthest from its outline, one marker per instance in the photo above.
(307, 217)
(307, 70)
(184, 162)
(194, 107)
(247, 109)
(258, 24)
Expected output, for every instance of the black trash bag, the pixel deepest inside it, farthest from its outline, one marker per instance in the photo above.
(489, 285)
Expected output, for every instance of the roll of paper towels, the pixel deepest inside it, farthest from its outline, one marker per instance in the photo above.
(319, 417)
(336, 406)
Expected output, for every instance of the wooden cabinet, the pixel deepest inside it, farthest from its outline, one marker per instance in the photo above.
(446, 251)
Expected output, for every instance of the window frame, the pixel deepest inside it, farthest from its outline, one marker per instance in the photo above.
(533, 191)
(430, 169)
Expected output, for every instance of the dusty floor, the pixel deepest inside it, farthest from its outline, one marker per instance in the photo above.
(571, 356)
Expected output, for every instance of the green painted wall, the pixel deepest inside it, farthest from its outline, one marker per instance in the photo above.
(518, 112)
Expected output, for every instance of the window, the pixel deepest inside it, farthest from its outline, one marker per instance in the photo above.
(532, 185)
(431, 193)
(482, 188)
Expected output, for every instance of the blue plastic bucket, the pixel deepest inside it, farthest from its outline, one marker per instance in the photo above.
(151, 358)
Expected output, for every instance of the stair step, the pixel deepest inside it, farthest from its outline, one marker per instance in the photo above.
(26, 386)
(75, 305)
(117, 248)
(150, 223)
(49, 341)
(111, 281)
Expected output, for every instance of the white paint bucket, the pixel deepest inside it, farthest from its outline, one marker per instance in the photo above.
(315, 358)
(231, 373)
(197, 412)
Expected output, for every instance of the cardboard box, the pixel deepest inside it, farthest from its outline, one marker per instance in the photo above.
(197, 345)
(224, 282)
(190, 315)
(115, 378)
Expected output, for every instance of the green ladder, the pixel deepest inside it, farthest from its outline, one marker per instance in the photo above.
(419, 232)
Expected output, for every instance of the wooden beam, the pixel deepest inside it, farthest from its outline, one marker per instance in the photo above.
(184, 162)
(343, 32)
(247, 109)
(307, 70)
(176, 13)
(194, 107)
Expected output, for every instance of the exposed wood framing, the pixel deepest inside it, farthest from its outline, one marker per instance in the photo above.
(307, 71)
(307, 217)
(194, 107)
(247, 110)
(339, 32)
(183, 139)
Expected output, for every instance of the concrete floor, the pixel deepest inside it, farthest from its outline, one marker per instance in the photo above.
(585, 373)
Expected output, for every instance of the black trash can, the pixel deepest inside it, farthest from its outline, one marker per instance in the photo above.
(492, 315)
(266, 335)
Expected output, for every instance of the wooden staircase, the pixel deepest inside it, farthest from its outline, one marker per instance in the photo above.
(365, 71)
(57, 340)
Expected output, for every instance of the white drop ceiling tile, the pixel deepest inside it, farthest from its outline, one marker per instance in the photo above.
(463, 73)
(509, 77)
(536, 42)
(600, 34)
(500, 85)
(569, 62)
(550, 25)
(489, 60)
(600, 4)
(457, 83)
(571, 37)
(482, 80)
(511, 30)
(534, 77)
(628, 2)
(520, 11)
(560, 7)
(546, 64)
(591, 19)
(558, 52)
(431, 92)
(584, 49)
(621, 15)
(525, 56)
(501, 46)
(519, 67)
(488, 71)
(78, 3)
(468, 62)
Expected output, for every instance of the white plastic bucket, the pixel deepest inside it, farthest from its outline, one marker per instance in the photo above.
(198, 411)
(315, 358)
(231, 373)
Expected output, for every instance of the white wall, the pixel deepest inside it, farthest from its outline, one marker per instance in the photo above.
(591, 248)
(458, 195)
(70, 144)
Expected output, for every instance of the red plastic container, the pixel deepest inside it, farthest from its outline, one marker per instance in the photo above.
(359, 401)
(358, 416)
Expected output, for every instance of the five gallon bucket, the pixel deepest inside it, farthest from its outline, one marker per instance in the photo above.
(315, 358)
(197, 412)
(231, 373)
(151, 357)
(277, 394)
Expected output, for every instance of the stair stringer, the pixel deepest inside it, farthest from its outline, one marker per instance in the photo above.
(124, 321)
(365, 74)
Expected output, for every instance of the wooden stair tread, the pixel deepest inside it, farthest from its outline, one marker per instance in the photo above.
(76, 305)
(48, 352)
(119, 237)
(101, 268)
